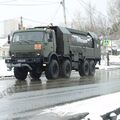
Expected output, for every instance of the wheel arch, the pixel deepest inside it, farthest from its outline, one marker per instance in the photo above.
(67, 58)
(52, 56)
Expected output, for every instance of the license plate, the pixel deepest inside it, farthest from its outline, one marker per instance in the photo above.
(22, 60)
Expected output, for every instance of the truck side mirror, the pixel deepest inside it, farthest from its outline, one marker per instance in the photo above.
(8, 39)
(50, 37)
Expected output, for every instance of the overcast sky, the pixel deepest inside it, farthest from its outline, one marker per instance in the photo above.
(38, 12)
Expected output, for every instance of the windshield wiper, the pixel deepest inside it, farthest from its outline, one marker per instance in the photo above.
(17, 42)
(31, 40)
(26, 41)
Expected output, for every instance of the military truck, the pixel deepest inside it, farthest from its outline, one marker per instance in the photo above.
(54, 50)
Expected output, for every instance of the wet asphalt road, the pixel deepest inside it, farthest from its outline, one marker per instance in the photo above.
(25, 99)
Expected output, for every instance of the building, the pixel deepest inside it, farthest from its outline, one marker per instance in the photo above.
(4, 48)
(10, 26)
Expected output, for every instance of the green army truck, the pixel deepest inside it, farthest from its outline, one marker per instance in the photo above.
(54, 50)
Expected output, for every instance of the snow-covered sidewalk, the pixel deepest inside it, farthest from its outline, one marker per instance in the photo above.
(105, 67)
(114, 62)
(95, 106)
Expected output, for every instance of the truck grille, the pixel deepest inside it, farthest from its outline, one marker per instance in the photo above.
(24, 55)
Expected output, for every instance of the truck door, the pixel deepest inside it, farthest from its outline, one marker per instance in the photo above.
(49, 44)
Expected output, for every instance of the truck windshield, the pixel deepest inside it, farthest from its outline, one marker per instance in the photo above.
(28, 36)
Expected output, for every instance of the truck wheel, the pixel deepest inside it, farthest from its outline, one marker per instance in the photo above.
(20, 73)
(84, 68)
(91, 68)
(52, 70)
(35, 75)
(65, 69)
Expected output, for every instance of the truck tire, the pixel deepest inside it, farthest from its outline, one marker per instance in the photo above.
(65, 70)
(20, 73)
(92, 68)
(35, 75)
(84, 68)
(52, 70)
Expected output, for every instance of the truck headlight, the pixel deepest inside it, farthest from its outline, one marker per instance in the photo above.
(12, 55)
(38, 54)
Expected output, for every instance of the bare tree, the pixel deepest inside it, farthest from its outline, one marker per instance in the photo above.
(93, 21)
(114, 17)
(85, 23)
(114, 11)
(91, 11)
(102, 25)
(79, 22)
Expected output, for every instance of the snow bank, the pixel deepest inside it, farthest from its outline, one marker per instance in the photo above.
(3, 41)
(115, 59)
(114, 63)
(95, 106)
(3, 69)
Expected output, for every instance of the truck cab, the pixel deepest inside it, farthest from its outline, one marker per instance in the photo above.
(28, 51)
(32, 41)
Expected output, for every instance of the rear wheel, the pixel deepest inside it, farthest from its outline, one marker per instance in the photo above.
(91, 68)
(84, 68)
(52, 70)
(65, 70)
(20, 73)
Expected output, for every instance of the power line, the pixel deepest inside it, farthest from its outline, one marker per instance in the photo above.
(64, 11)
(2, 21)
(8, 1)
(44, 1)
(27, 4)
(32, 20)
(56, 12)
(105, 16)
(93, 8)
(88, 9)
(68, 13)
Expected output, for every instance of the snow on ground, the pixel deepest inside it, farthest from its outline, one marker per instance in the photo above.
(113, 60)
(95, 106)
(3, 41)
(3, 69)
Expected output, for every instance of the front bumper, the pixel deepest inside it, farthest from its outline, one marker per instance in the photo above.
(10, 66)
(22, 62)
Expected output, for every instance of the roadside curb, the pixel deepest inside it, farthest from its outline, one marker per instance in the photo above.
(108, 67)
(6, 77)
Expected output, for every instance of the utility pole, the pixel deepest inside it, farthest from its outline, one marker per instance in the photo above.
(21, 22)
(91, 16)
(64, 11)
(20, 25)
